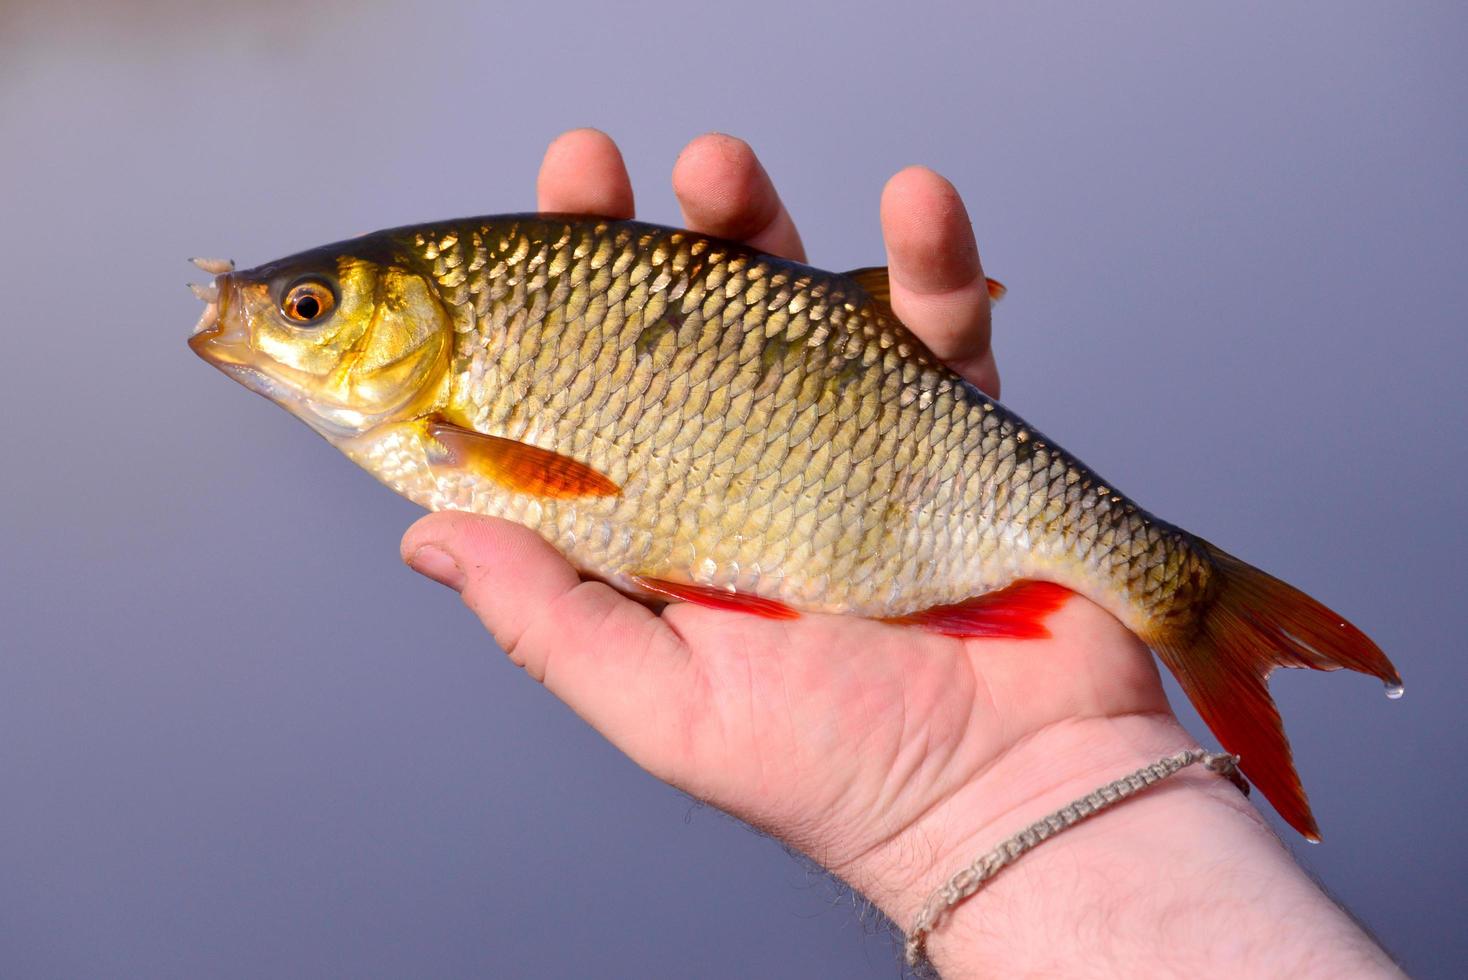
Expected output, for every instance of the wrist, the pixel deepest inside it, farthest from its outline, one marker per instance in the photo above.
(1041, 773)
(1183, 877)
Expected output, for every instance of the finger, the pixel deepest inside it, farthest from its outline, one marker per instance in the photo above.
(724, 191)
(583, 173)
(611, 660)
(938, 286)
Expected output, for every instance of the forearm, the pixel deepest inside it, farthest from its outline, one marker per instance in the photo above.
(1183, 879)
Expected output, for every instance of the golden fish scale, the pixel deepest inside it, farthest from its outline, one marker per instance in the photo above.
(772, 428)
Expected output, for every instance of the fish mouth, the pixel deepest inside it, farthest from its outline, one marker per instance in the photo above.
(212, 337)
(222, 340)
(213, 296)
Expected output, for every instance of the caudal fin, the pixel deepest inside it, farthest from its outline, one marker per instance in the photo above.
(1255, 624)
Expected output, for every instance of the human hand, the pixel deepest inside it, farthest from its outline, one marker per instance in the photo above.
(890, 755)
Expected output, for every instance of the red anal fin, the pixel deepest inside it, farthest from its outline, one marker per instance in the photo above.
(517, 466)
(1017, 611)
(715, 598)
(997, 290)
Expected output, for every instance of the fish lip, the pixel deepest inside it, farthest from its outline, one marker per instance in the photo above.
(208, 321)
(210, 328)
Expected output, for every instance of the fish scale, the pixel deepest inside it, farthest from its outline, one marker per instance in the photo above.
(685, 417)
(711, 348)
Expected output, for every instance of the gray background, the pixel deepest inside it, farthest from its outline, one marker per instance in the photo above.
(238, 738)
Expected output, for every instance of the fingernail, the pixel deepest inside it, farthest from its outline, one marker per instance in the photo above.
(437, 564)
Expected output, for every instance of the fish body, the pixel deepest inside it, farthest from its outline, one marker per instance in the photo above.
(683, 416)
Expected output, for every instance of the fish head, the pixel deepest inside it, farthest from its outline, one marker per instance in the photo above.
(346, 337)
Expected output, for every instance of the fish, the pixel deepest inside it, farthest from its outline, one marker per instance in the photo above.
(689, 419)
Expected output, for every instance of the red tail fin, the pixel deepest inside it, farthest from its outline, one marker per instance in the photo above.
(1257, 623)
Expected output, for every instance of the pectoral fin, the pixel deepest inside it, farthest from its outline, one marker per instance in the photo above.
(516, 466)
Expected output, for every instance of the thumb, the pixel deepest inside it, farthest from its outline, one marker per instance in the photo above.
(613, 661)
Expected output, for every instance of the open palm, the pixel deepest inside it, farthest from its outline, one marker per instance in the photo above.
(885, 752)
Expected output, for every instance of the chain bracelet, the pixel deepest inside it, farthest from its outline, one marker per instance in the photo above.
(970, 879)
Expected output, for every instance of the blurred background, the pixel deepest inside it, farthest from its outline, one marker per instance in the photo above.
(239, 739)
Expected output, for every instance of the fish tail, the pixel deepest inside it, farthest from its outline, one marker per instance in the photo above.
(1253, 624)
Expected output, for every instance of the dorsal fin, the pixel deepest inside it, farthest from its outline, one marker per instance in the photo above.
(875, 281)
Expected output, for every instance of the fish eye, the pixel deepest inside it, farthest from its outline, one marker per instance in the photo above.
(308, 301)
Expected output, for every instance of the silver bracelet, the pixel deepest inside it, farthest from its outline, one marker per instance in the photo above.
(969, 880)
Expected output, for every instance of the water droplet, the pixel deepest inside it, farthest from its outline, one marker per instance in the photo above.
(1395, 691)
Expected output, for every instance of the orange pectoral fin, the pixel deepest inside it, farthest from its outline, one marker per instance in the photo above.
(713, 598)
(517, 466)
(1017, 611)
